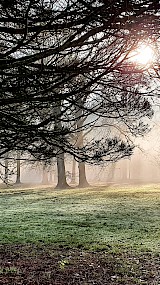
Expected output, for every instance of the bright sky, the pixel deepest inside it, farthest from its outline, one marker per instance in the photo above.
(142, 55)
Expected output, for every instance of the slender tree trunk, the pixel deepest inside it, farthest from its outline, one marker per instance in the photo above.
(81, 166)
(111, 173)
(73, 175)
(45, 176)
(82, 175)
(18, 177)
(61, 173)
(124, 170)
(51, 180)
(6, 170)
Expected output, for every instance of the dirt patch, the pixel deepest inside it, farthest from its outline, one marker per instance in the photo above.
(41, 265)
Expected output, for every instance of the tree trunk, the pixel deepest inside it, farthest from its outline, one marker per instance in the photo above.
(111, 172)
(6, 170)
(45, 176)
(62, 183)
(125, 170)
(82, 176)
(51, 180)
(82, 168)
(73, 175)
(18, 177)
(61, 173)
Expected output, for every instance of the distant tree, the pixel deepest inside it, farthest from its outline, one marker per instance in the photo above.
(18, 172)
(73, 172)
(6, 169)
(45, 175)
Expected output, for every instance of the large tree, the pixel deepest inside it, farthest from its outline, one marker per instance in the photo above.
(46, 47)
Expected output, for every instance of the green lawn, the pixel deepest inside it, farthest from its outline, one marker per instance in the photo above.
(93, 218)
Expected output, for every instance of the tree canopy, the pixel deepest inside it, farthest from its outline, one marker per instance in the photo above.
(61, 61)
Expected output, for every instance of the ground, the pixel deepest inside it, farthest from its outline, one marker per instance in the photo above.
(35, 265)
(104, 235)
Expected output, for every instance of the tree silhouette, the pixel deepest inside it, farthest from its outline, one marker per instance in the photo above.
(46, 48)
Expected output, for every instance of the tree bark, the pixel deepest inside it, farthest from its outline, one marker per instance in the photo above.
(61, 174)
(82, 176)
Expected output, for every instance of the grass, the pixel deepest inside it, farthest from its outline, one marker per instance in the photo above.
(93, 218)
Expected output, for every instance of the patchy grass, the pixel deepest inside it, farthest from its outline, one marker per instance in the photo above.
(93, 218)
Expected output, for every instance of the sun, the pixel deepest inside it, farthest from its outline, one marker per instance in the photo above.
(142, 55)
